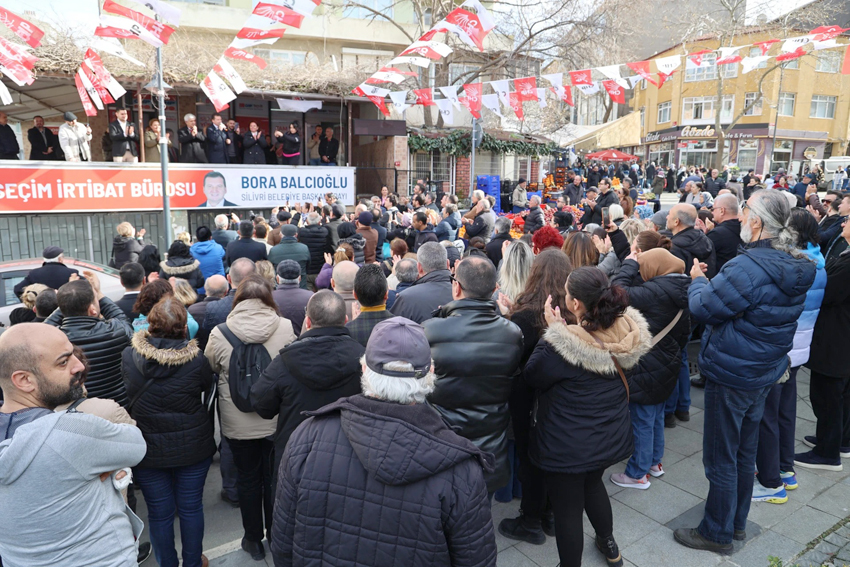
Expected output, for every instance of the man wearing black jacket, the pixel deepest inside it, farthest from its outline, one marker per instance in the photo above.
(43, 142)
(688, 242)
(9, 147)
(605, 199)
(53, 272)
(191, 141)
(726, 235)
(502, 234)
(318, 368)
(328, 148)
(246, 246)
(124, 138)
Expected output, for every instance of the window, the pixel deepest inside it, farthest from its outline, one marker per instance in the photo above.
(701, 110)
(729, 71)
(427, 17)
(822, 107)
(643, 84)
(747, 154)
(782, 152)
(383, 6)
(727, 109)
(664, 112)
(793, 64)
(756, 52)
(828, 61)
(786, 104)
(370, 59)
(707, 71)
(458, 70)
(280, 58)
(755, 110)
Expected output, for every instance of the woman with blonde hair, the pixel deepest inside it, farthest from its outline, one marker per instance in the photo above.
(152, 135)
(26, 313)
(631, 228)
(344, 252)
(581, 250)
(183, 291)
(514, 270)
(185, 237)
(126, 246)
(266, 270)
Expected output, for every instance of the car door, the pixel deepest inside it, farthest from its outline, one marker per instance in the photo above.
(8, 300)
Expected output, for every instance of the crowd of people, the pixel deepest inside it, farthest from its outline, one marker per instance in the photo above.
(378, 377)
(220, 142)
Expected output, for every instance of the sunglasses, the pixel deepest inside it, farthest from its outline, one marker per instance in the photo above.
(827, 201)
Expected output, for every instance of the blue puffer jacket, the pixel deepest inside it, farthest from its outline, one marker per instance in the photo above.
(211, 256)
(751, 309)
(806, 323)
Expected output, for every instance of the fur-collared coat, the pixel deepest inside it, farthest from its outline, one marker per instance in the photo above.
(187, 268)
(582, 423)
(171, 414)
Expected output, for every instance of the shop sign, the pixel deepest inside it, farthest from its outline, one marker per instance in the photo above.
(694, 132)
(810, 153)
(659, 137)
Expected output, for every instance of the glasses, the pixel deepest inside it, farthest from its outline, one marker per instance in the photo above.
(826, 201)
(744, 206)
(457, 281)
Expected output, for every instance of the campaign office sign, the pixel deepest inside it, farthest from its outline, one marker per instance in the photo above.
(45, 187)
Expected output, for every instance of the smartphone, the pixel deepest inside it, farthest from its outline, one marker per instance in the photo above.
(606, 218)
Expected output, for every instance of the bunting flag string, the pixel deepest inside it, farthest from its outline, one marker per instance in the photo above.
(25, 30)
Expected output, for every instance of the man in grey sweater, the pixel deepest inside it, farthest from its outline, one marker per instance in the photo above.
(60, 499)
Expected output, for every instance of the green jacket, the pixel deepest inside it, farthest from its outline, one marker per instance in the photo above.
(291, 249)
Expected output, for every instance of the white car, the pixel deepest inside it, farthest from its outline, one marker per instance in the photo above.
(13, 271)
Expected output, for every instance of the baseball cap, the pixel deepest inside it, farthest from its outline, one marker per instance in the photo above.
(289, 270)
(365, 218)
(402, 340)
(659, 218)
(69, 116)
(52, 252)
(288, 230)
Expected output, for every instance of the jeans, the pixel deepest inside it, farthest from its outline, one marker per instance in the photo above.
(776, 432)
(180, 488)
(254, 463)
(680, 399)
(831, 404)
(648, 432)
(729, 448)
(315, 161)
(571, 494)
(516, 209)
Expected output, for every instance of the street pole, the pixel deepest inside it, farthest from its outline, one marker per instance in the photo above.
(163, 151)
(472, 160)
(776, 119)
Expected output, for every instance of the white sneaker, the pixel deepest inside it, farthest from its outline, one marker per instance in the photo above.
(772, 495)
(656, 470)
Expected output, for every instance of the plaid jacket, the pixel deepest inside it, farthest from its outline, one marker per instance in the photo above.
(361, 328)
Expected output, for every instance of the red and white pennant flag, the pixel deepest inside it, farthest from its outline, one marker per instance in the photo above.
(217, 91)
(280, 14)
(472, 100)
(84, 95)
(226, 70)
(248, 37)
(160, 31)
(25, 30)
(93, 61)
(234, 53)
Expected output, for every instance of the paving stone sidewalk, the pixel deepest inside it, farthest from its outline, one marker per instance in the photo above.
(644, 520)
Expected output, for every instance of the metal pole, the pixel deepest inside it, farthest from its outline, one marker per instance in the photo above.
(776, 120)
(472, 160)
(163, 152)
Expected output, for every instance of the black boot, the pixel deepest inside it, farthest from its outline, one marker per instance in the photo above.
(523, 528)
(547, 522)
(255, 548)
(608, 547)
(669, 420)
(144, 552)
(695, 540)
(698, 382)
(682, 415)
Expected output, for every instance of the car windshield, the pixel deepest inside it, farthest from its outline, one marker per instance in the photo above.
(9, 287)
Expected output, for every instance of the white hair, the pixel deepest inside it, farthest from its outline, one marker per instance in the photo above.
(188, 117)
(221, 221)
(792, 199)
(394, 389)
(55, 260)
(616, 212)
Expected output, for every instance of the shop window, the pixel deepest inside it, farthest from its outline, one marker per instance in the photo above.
(664, 112)
(786, 104)
(782, 151)
(822, 107)
(748, 151)
(755, 109)
(828, 61)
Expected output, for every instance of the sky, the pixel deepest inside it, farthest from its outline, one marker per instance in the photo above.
(79, 16)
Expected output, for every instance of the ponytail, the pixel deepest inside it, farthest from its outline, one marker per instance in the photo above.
(603, 301)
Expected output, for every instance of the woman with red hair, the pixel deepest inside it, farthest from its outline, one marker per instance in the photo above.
(546, 237)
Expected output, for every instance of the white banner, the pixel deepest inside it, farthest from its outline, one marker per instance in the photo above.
(541, 96)
(487, 21)
(503, 89)
(451, 94)
(5, 95)
(589, 90)
(557, 79)
(169, 13)
(447, 111)
(667, 65)
(113, 47)
(298, 105)
(610, 71)
(750, 63)
(491, 102)
(399, 99)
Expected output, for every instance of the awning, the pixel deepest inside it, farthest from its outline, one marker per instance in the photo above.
(621, 133)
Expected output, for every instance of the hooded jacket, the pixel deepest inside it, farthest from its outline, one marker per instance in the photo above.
(357, 242)
(369, 482)
(659, 300)
(424, 296)
(691, 243)
(187, 268)
(252, 322)
(54, 510)
(173, 418)
(102, 341)
(210, 257)
(750, 310)
(318, 368)
(827, 356)
(473, 398)
(582, 418)
(125, 250)
(814, 297)
(447, 228)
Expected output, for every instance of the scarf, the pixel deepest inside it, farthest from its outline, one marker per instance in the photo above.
(659, 262)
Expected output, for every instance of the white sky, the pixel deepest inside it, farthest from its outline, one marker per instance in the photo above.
(79, 16)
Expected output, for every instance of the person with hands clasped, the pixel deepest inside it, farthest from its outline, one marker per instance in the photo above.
(291, 142)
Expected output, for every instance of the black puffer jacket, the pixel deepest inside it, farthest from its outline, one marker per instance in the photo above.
(368, 482)
(658, 300)
(320, 367)
(582, 418)
(419, 301)
(174, 421)
(187, 268)
(726, 238)
(692, 243)
(357, 242)
(534, 221)
(125, 249)
(316, 238)
(102, 341)
(472, 396)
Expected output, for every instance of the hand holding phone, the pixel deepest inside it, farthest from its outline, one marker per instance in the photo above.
(606, 218)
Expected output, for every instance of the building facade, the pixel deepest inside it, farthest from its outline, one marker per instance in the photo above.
(772, 117)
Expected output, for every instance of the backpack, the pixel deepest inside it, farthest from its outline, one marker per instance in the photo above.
(247, 363)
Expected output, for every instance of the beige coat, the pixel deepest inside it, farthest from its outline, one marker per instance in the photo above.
(109, 410)
(252, 322)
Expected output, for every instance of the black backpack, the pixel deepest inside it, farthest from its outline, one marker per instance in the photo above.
(247, 363)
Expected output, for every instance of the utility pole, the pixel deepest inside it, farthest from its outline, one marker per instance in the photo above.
(776, 119)
(163, 148)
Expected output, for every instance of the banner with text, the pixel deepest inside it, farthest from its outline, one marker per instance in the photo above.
(40, 187)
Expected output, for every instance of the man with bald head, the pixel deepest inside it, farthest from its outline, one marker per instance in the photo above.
(726, 235)
(342, 282)
(59, 501)
(688, 242)
(216, 287)
(217, 312)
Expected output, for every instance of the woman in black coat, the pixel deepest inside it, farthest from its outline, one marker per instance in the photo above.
(291, 141)
(165, 375)
(581, 425)
(548, 274)
(657, 287)
(254, 146)
(127, 245)
(181, 264)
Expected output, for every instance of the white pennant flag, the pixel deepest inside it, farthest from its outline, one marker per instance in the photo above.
(727, 52)
(793, 43)
(451, 94)
(131, 27)
(92, 92)
(625, 83)
(388, 77)
(169, 13)
(557, 79)
(541, 96)
(372, 90)
(226, 70)
(217, 91)
(825, 44)
(240, 43)
(113, 47)
(503, 89)
(590, 89)
(610, 71)
(667, 65)
(399, 99)
(491, 102)
(447, 110)
(634, 80)
(750, 63)
(411, 60)
(5, 95)
(487, 21)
